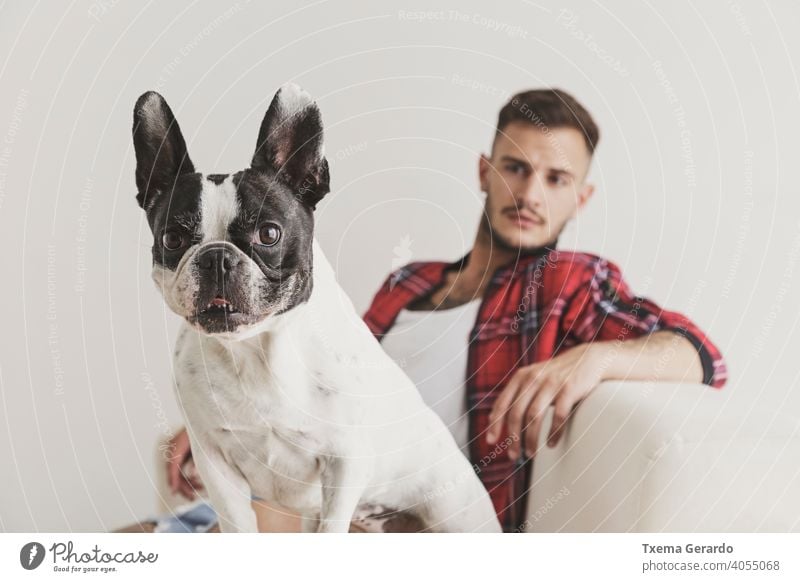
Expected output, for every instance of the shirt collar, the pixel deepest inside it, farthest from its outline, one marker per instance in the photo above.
(505, 272)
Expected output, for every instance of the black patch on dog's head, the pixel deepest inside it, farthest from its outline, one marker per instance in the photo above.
(263, 199)
(178, 211)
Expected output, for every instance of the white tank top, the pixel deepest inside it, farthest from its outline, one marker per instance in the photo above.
(431, 347)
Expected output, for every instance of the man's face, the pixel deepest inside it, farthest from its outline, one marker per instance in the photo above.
(534, 184)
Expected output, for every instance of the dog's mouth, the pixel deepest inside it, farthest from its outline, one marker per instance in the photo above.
(219, 306)
(221, 315)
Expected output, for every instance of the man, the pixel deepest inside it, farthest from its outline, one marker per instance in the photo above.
(516, 325)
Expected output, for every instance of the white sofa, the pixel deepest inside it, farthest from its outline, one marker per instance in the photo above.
(659, 457)
(663, 457)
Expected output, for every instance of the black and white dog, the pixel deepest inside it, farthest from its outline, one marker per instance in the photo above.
(287, 394)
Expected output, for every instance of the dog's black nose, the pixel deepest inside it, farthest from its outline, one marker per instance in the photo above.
(217, 260)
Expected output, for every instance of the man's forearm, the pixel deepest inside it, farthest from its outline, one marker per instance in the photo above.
(660, 356)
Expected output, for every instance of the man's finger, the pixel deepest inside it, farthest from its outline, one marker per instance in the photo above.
(535, 416)
(196, 483)
(173, 472)
(515, 419)
(186, 489)
(500, 408)
(563, 408)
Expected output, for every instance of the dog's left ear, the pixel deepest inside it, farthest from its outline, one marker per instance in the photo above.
(290, 144)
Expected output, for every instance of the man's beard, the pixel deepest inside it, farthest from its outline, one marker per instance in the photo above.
(497, 239)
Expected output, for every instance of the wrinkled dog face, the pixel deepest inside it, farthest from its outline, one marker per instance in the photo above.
(231, 250)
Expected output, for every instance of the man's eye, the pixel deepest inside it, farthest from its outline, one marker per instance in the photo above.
(268, 234)
(172, 240)
(516, 169)
(557, 180)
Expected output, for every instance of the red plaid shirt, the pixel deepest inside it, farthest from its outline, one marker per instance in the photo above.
(533, 309)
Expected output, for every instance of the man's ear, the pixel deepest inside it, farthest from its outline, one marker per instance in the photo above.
(484, 168)
(583, 194)
(161, 154)
(290, 144)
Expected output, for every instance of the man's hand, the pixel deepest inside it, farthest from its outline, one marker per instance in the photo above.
(568, 378)
(562, 381)
(179, 479)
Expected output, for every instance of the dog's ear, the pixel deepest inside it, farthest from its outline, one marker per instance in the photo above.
(161, 154)
(290, 144)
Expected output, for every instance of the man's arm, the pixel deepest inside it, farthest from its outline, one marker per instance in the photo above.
(620, 336)
(660, 356)
(603, 308)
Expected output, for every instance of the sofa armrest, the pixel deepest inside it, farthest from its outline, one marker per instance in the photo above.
(653, 457)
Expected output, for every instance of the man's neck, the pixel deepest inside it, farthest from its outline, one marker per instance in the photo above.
(471, 282)
(481, 264)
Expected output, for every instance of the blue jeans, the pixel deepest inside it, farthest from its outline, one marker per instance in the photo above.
(195, 517)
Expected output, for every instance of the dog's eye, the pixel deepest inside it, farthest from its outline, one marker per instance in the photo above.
(172, 240)
(268, 234)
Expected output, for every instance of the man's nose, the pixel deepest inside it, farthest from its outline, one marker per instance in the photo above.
(218, 260)
(533, 191)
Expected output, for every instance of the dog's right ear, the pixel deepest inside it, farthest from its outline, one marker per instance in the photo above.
(161, 154)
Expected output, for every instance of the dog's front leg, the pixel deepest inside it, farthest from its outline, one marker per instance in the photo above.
(343, 483)
(227, 488)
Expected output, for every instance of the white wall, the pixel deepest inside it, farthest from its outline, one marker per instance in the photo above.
(696, 200)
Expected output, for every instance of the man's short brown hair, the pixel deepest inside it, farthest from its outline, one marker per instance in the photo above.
(549, 109)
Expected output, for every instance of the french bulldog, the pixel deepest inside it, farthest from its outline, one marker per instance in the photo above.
(287, 395)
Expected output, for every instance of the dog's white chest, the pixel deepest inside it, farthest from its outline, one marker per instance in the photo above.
(278, 468)
(263, 419)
